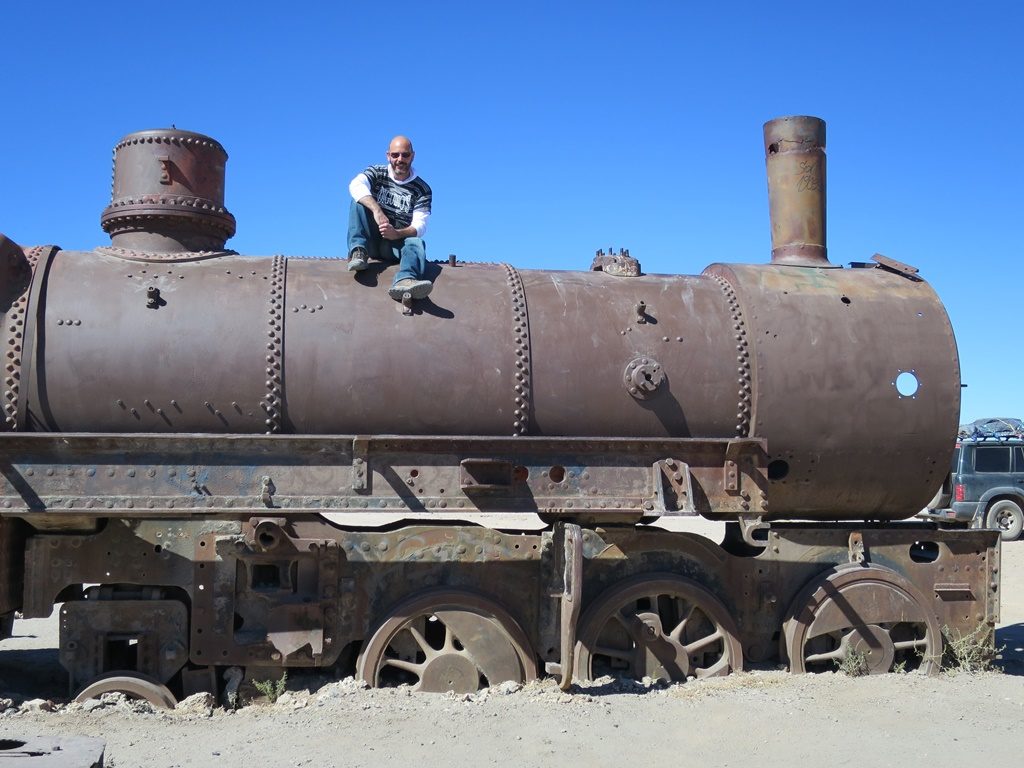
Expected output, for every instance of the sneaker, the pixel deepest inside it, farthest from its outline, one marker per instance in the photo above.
(357, 260)
(418, 289)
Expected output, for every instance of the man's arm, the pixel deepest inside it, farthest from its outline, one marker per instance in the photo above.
(379, 216)
(359, 188)
(387, 231)
(419, 220)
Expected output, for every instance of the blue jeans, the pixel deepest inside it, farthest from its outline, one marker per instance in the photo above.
(410, 253)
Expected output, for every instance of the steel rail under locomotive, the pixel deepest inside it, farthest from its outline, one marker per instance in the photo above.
(193, 439)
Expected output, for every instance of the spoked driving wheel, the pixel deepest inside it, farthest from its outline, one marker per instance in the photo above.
(869, 619)
(659, 626)
(447, 640)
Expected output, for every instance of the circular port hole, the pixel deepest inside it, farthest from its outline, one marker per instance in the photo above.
(557, 473)
(778, 469)
(907, 384)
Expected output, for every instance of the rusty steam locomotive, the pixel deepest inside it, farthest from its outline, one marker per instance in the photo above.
(197, 446)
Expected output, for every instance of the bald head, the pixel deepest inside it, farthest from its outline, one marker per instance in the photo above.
(400, 143)
(400, 155)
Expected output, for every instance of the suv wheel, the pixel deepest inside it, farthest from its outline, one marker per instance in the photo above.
(1007, 518)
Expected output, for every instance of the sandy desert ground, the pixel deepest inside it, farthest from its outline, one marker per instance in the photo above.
(773, 718)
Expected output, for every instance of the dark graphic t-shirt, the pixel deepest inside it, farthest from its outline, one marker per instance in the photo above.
(398, 200)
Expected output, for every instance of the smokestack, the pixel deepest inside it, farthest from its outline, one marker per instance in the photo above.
(795, 156)
(168, 193)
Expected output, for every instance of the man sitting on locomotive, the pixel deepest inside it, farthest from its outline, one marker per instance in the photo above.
(399, 203)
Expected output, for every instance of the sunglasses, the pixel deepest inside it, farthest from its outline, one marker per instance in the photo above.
(396, 155)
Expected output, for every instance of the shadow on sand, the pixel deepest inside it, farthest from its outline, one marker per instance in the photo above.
(1010, 642)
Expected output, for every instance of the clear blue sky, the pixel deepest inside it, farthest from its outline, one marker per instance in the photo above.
(548, 130)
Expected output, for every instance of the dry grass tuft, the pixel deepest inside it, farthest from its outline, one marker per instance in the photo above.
(971, 652)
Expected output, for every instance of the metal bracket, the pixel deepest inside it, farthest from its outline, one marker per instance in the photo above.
(896, 266)
(165, 169)
(571, 598)
(267, 490)
(680, 483)
(641, 312)
(858, 554)
(751, 527)
(485, 475)
(731, 479)
(730, 468)
(360, 464)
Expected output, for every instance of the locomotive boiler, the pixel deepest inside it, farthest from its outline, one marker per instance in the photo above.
(198, 447)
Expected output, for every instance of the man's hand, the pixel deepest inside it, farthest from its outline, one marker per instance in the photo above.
(388, 232)
(381, 218)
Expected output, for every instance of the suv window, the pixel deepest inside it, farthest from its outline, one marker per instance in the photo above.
(992, 459)
(1018, 457)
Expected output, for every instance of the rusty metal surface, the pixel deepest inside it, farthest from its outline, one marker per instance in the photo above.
(856, 332)
(167, 195)
(16, 269)
(267, 592)
(659, 626)
(50, 477)
(17, 284)
(621, 265)
(569, 539)
(304, 348)
(342, 355)
(866, 611)
(133, 685)
(447, 640)
(953, 576)
(297, 594)
(12, 568)
(373, 373)
(587, 328)
(146, 635)
(795, 158)
(180, 371)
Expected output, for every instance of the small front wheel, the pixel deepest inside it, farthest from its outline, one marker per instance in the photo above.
(1006, 517)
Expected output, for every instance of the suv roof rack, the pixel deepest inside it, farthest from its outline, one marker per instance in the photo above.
(992, 429)
(990, 438)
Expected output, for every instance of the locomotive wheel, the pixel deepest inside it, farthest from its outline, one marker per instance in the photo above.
(658, 626)
(869, 616)
(131, 684)
(447, 640)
